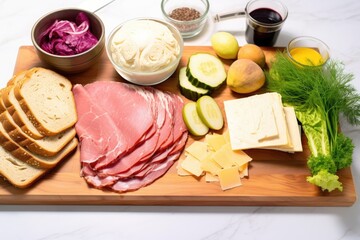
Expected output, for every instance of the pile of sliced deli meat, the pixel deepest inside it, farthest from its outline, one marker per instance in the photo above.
(129, 135)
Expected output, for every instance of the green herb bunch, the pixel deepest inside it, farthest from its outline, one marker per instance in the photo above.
(320, 95)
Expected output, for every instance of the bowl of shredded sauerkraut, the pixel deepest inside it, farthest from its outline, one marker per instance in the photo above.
(69, 40)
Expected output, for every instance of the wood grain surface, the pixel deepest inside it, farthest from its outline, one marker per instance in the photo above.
(275, 178)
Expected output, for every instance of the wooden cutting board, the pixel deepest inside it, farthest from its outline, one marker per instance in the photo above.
(275, 178)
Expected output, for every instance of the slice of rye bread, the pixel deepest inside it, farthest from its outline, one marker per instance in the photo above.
(17, 172)
(47, 146)
(31, 158)
(17, 113)
(47, 99)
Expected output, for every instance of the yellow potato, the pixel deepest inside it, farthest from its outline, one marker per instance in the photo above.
(225, 45)
(245, 76)
(252, 52)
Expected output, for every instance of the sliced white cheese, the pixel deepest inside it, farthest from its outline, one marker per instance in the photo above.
(294, 131)
(256, 121)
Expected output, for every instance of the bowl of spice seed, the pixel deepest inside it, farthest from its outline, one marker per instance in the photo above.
(188, 16)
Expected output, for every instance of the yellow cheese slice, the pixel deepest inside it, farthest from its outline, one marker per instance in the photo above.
(226, 157)
(192, 165)
(222, 158)
(226, 136)
(180, 170)
(241, 158)
(244, 170)
(244, 167)
(201, 158)
(215, 141)
(198, 149)
(252, 125)
(211, 178)
(209, 165)
(229, 178)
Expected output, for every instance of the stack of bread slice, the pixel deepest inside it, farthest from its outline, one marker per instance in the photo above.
(37, 124)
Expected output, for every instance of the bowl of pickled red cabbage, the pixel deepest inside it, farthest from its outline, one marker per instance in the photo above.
(69, 40)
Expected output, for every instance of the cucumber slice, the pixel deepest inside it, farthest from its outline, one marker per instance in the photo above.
(192, 120)
(209, 112)
(205, 71)
(187, 89)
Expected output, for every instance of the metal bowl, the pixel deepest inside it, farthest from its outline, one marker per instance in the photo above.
(72, 63)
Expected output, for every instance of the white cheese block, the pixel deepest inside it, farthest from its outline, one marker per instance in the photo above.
(294, 133)
(257, 121)
(294, 129)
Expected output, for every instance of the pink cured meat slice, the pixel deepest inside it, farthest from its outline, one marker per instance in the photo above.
(167, 99)
(142, 168)
(136, 183)
(154, 150)
(158, 116)
(128, 106)
(143, 151)
(148, 175)
(158, 160)
(179, 125)
(97, 181)
(165, 102)
(98, 141)
(165, 124)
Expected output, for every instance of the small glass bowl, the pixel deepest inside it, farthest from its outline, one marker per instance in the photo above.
(188, 28)
(310, 43)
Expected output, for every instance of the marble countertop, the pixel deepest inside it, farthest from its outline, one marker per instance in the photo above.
(335, 22)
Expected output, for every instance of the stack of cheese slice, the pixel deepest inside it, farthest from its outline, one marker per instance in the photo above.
(215, 158)
(261, 121)
(37, 118)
